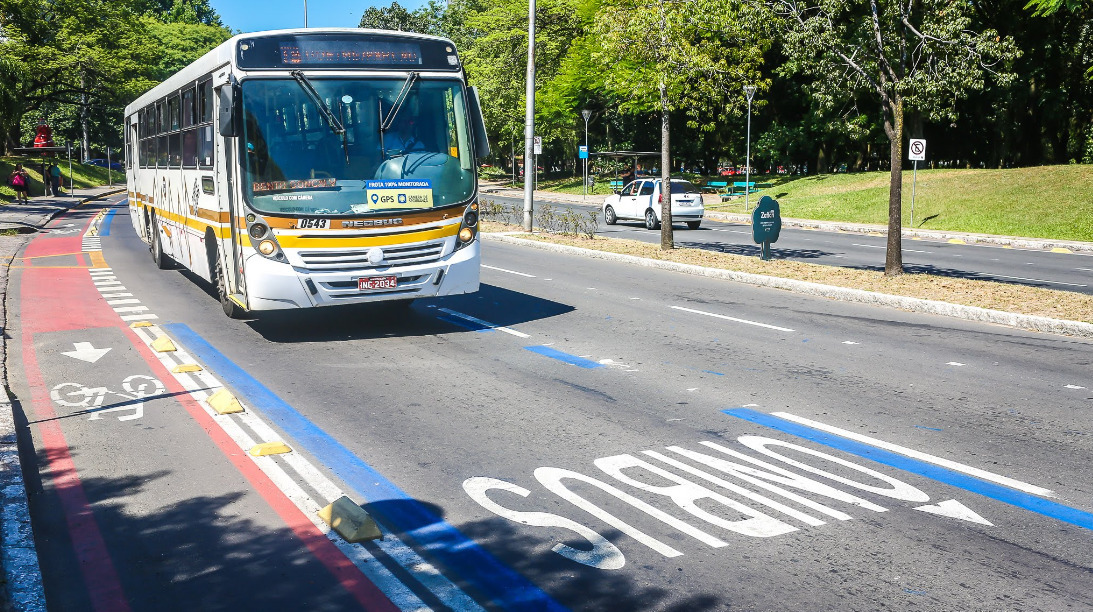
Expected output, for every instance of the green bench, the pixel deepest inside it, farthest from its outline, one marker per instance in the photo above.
(716, 186)
(741, 187)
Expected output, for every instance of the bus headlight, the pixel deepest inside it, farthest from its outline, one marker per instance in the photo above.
(267, 247)
(468, 229)
(258, 231)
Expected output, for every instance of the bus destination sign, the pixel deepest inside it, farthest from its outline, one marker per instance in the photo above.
(345, 51)
(304, 52)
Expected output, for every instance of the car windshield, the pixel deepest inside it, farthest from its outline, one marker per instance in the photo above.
(298, 161)
(684, 187)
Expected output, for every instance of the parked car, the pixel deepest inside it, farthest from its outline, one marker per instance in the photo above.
(641, 200)
(102, 164)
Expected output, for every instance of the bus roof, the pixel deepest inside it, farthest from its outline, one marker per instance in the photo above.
(225, 54)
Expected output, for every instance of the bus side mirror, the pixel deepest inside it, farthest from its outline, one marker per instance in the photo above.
(478, 124)
(227, 114)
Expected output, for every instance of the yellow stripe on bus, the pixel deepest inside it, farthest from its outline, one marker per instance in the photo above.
(297, 242)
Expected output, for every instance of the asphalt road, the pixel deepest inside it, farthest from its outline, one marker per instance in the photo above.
(1062, 271)
(579, 433)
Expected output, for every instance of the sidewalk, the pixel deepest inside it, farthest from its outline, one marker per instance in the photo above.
(502, 189)
(22, 589)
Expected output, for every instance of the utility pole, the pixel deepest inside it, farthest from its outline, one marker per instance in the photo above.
(749, 90)
(529, 124)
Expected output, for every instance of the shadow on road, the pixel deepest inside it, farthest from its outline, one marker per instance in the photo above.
(492, 304)
(570, 583)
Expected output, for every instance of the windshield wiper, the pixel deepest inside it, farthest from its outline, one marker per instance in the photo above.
(331, 120)
(396, 106)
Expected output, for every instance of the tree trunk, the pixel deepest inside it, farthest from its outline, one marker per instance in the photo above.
(893, 127)
(667, 240)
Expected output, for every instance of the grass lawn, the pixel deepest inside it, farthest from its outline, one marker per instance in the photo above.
(1054, 202)
(84, 176)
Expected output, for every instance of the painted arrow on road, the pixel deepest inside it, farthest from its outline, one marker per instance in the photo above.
(955, 509)
(85, 352)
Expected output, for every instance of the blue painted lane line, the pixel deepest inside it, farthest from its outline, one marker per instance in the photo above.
(1006, 495)
(580, 362)
(104, 227)
(392, 506)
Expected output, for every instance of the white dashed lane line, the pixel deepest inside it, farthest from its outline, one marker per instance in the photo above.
(508, 271)
(728, 318)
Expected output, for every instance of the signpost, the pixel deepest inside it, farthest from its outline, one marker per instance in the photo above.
(766, 224)
(916, 152)
(535, 160)
(582, 153)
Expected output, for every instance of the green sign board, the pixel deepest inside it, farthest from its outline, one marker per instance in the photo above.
(766, 224)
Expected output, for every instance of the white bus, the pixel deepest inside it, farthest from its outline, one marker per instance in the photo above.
(303, 168)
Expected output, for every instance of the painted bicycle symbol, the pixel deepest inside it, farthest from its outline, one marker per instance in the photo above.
(134, 389)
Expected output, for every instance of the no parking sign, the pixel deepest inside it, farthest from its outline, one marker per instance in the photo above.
(917, 150)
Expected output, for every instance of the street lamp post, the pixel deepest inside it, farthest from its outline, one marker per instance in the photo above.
(586, 114)
(529, 124)
(305, 13)
(749, 90)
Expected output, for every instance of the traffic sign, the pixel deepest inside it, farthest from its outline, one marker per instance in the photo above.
(917, 150)
(582, 152)
(538, 145)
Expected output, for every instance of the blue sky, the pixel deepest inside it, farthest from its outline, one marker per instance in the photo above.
(255, 15)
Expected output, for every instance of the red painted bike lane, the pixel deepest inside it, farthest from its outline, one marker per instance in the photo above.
(126, 474)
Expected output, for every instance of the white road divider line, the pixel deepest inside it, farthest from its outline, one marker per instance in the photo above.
(921, 456)
(509, 271)
(881, 246)
(199, 384)
(727, 318)
(1034, 280)
(468, 317)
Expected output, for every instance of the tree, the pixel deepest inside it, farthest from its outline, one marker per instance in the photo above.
(423, 21)
(911, 56)
(684, 55)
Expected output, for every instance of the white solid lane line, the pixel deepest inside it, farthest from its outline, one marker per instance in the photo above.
(921, 456)
(727, 318)
(509, 271)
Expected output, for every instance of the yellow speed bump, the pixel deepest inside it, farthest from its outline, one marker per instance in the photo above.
(186, 367)
(163, 344)
(350, 521)
(1060, 250)
(956, 241)
(270, 448)
(140, 324)
(223, 402)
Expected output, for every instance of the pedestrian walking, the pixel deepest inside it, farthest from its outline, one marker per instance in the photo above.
(19, 181)
(55, 179)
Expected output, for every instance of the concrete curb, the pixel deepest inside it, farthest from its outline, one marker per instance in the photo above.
(968, 313)
(861, 228)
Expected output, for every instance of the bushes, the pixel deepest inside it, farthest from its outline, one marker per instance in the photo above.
(566, 222)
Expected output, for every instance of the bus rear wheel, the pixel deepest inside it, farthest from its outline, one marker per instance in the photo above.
(162, 261)
(230, 307)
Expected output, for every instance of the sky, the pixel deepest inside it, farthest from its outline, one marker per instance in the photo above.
(254, 15)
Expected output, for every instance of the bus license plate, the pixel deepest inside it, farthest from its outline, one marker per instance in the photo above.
(377, 282)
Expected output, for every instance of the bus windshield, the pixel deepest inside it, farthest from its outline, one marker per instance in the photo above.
(314, 146)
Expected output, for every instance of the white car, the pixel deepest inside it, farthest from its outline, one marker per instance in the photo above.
(641, 201)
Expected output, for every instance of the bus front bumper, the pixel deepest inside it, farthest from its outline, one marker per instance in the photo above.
(276, 286)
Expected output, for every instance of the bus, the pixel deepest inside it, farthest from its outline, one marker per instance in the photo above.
(312, 167)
